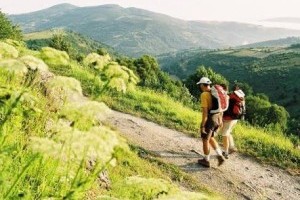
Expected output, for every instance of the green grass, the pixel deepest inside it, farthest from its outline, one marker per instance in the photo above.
(45, 150)
(156, 107)
(266, 146)
(31, 153)
(275, 149)
(39, 35)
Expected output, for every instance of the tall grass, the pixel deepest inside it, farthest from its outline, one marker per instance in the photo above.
(156, 107)
(45, 153)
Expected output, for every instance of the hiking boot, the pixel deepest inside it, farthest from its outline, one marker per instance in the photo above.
(225, 155)
(204, 162)
(221, 160)
(232, 150)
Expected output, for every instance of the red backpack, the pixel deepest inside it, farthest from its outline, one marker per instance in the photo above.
(237, 108)
(220, 100)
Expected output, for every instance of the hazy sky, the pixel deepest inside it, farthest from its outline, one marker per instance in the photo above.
(220, 10)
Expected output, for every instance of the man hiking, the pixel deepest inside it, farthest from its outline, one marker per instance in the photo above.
(209, 125)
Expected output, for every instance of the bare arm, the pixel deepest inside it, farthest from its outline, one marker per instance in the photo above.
(204, 119)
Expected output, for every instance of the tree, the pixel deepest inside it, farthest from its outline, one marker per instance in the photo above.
(278, 116)
(262, 113)
(59, 42)
(147, 69)
(200, 72)
(247, 89)
(102, 51)
(8, 30)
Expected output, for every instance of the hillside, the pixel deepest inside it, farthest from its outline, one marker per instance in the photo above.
(273, 71)
(59, 137)
(54, 141)
(135, 31)
(79, 44)
(284, 42)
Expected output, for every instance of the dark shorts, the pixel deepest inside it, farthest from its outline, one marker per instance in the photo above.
(211, 126)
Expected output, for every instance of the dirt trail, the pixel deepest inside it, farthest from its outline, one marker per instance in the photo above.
(239, 178)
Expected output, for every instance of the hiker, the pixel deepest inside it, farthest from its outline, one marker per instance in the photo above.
(235, 111)
(209, 125)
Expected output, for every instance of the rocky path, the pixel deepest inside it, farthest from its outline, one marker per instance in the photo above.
(239, 178)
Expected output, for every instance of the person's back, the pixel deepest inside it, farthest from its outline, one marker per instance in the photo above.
(236, 108)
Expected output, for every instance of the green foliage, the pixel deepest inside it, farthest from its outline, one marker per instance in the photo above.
(8, 51)
(247, 89)
(152, 77)
(54, 57)
(34, 63)
(53, 141)
(156, 107)
(8, 30)
(273, 72)
(202, 71)
(77, 45)
(96, 61)
(266, 144)
(85, 115)
(141, 188)
(59, 42)
(15, 66)
(102, 51)
(296, 46)
(147, 68)
(261, 112)
(273, 148)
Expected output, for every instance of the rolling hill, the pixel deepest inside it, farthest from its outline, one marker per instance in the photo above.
(135, 31)
(274, 71)
(283, 42)
(79, 43)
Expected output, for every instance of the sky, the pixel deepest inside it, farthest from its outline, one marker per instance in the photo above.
(252, 11)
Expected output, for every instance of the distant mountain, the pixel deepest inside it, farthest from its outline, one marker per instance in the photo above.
(135, 31)
(284, 42)
(284, 19)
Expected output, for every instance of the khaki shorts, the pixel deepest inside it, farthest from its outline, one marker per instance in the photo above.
(211, 126)
(227, 127)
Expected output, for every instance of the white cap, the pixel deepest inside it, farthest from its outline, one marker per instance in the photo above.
(239, 93)
(204, 80)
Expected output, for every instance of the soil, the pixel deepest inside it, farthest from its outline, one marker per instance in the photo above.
(240, 177)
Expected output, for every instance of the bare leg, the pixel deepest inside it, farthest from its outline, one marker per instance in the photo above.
(226, 143)
(205, 147)
(215, 146)
(213, 143)
(231, 142)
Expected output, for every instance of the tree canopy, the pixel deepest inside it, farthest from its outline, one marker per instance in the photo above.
(8, 30)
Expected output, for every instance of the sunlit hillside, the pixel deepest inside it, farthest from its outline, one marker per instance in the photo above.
(53, 141)
(274, 71)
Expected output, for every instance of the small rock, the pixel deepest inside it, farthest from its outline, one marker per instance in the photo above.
(279, 193)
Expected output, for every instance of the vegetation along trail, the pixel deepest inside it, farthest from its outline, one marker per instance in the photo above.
(240, 177)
